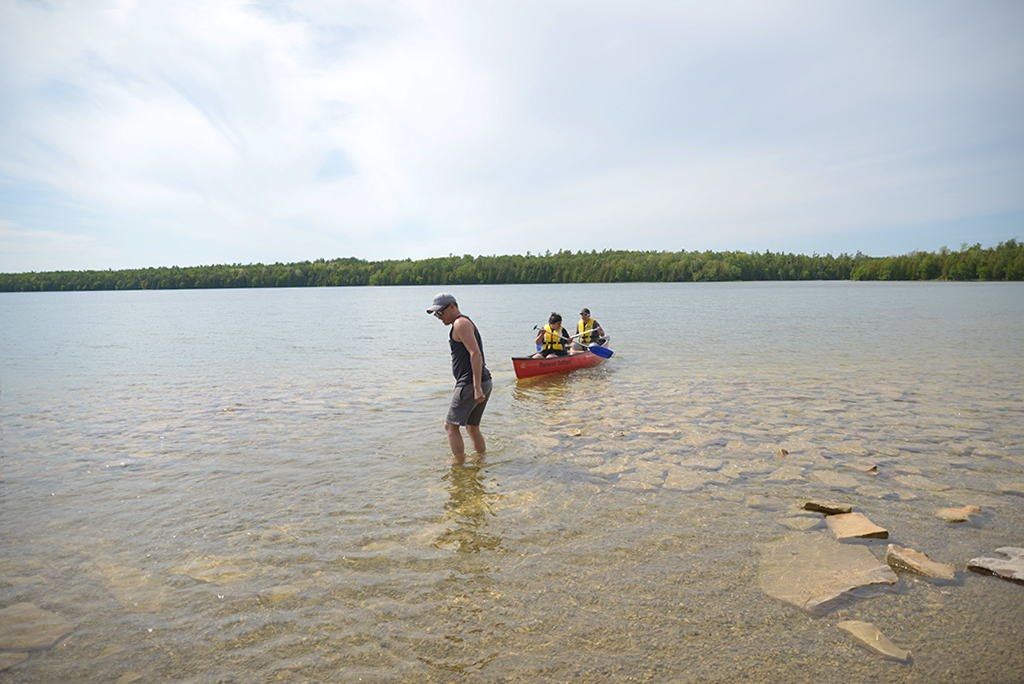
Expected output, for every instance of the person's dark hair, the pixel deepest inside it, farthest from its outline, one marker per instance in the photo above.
(554, 318)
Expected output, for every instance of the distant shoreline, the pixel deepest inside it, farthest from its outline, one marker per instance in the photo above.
(1001, 263)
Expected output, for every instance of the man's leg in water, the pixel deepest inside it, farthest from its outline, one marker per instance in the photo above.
(455, 442)
(477, 438)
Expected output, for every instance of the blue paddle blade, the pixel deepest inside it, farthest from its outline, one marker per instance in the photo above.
(601, 351)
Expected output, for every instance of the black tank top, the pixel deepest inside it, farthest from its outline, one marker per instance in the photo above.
(462, 369)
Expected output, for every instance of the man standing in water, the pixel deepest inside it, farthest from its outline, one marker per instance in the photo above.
(472, 379)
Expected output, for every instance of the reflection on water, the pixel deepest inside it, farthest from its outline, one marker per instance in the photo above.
(468, 511)
(470, 590)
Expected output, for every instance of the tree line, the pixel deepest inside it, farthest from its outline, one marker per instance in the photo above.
(1005, 262)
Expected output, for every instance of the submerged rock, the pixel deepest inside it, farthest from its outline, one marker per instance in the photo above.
(827, 508)
(815, 573)
(768, 503)
(11, 659)
(1007, 562)
(837, 480)
(956, 515)
(787, 474)
(855, 526)
(801, 522)
(918, 563)
(25, 627)
(920, 482)
(1015, 488)
(684, 479)
(871, 638)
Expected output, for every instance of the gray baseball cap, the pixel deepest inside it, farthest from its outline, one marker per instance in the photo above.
(440, 301)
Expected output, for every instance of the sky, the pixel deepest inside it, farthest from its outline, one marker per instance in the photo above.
(136, 134)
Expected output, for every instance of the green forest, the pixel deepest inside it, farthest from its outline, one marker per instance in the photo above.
(1005, 262)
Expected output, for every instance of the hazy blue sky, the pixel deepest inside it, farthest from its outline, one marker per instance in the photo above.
(159, 133)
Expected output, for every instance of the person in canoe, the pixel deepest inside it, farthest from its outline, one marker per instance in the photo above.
(472, 379)
(588, 331)
(553, 338)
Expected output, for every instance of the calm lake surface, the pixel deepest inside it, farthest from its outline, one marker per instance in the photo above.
(255, 486)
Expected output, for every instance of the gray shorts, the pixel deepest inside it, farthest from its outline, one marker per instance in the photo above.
(464, 410)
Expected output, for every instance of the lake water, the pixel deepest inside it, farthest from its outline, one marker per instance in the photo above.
(255, 486)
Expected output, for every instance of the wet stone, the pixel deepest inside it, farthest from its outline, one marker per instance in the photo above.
(279, 592)
(219, 571)
(956, 515)
(25, 627)
(827, 508)
(703, 463)
(135, 588)
(617, 465)
(801, 523)
(855, 526)
(1006, 562)
(787, 474)
(1014, 488)
(646, 476)
(839, 480)
(11, 659)
(684, 479)
(918, 563)
(920, 482)
(815, 573)
(870, 637)
(877, 492)
(768, 503)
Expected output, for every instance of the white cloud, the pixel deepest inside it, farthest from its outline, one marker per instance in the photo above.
(33, 250)
(194, 133)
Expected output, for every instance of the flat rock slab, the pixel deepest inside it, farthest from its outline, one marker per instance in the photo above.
(827, 508)
(815, 573)
(1015, 488)
(801, 522)
(855, 526)
(702, 463)
(838, 480)
(767, 503)
(920, 482)
(11, 659)
(787, 474)
(685, 479)
(26, 627)
(956, 515)
(909, 560)
(871, 638)
(1006, 562)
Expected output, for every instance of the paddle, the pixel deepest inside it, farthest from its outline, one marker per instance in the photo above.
(603, 352)
(538, 327)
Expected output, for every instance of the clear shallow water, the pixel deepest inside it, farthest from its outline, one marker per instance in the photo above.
(253, 485)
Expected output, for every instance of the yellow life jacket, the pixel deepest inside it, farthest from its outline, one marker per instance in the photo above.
(552, 339)
(587, 329)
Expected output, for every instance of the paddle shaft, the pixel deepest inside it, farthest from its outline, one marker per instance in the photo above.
(594, 331)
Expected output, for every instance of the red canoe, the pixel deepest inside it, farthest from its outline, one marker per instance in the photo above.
(529, 367)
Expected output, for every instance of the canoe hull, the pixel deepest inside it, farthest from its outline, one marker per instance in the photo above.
(529, 367)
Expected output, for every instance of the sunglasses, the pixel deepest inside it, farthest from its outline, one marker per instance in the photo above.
(440, 312)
